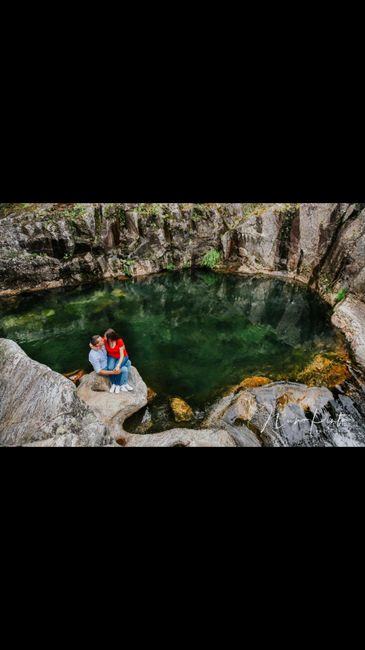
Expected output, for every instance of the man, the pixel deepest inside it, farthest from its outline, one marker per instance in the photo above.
(99, 361)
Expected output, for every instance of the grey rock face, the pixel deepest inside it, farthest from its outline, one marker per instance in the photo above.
(344, 264)
(349, 316)
(39, 405)
(183, 438)
(261, 240)
(315, 229)
(52, 245)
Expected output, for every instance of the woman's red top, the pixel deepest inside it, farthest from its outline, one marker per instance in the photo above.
(115, 352)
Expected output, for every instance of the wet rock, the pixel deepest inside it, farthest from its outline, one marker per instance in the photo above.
(151, 395)
(181, 410)
(253, 382)
(38, 405)
(146, 423)
(109, 408)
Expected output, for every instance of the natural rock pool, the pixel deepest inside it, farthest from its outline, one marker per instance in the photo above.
(191, 334)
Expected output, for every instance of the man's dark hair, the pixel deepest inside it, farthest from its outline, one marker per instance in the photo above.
(94, 339)
(111, 335)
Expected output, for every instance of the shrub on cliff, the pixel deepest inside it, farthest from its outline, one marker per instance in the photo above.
(211, 259)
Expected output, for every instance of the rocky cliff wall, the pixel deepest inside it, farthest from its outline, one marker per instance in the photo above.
(49, 245)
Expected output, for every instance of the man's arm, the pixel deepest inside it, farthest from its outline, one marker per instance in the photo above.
(98, 367)
(116, 371)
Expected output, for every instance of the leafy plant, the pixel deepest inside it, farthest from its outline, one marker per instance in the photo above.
(149, 209)
(74, 212)
(170, 266)
(198, 212)
(341, 295)
(211, 259)
(128, 268)
(123, 217)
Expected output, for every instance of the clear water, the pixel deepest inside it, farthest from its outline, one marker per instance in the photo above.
(190, 334)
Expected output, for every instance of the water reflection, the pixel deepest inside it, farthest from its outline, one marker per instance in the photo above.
(190, 333)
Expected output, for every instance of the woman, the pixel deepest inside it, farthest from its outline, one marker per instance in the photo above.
(118, 357)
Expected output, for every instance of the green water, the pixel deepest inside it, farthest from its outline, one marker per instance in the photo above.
(190, 334)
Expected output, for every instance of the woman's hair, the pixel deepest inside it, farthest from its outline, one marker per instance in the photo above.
(111, 335)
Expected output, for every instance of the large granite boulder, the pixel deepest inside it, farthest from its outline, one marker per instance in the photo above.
(182, 438)
(113, 409)
(38, 405)
(283, 414)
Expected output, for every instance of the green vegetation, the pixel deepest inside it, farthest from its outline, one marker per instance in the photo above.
(74, 212)
(128, 268)
(9, 208)
(170, 266)
(325, 283)
(211, 259)
(341, 295)
(199, 211)
(122, 217)
(252, 209)
(149, 209)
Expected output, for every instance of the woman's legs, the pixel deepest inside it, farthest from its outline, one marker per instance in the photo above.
(115, 379)
(126, 365)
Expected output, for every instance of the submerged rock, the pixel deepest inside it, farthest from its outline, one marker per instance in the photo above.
(151, 395)
(323, 371)
(182, 411)
(38, 405)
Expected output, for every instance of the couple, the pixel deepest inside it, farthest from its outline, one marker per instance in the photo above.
(109, 358)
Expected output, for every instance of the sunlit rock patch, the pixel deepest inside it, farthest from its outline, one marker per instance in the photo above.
(182, 411)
